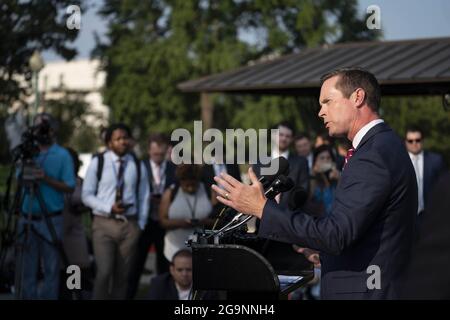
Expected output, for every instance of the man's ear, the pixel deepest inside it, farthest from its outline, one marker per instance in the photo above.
(358, 97)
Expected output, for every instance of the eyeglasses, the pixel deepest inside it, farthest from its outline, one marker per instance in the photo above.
(414, 141)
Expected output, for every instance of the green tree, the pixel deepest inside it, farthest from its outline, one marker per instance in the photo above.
(72, 112)
(152, 46)
(27, 26)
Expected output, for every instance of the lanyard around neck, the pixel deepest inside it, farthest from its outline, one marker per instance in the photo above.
(191, 208)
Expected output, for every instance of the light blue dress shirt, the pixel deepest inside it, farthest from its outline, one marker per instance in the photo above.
(102, 202)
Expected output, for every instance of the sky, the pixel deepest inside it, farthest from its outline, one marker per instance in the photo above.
(400, 19)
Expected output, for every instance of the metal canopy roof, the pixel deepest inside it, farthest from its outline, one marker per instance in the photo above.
(402, 67)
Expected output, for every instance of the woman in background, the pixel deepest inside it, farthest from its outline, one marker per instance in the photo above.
(183, 208)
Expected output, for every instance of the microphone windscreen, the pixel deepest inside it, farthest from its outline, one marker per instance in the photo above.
(297, 198)
(282, 164)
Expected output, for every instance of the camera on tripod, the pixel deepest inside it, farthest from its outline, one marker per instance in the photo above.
(25, 152)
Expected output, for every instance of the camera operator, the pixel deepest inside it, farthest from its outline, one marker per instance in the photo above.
(52, 171)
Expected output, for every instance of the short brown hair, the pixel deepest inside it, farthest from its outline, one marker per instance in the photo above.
(185, 253)
(353, 78)
(158, 138)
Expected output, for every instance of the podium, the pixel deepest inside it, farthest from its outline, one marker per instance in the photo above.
(243, 273)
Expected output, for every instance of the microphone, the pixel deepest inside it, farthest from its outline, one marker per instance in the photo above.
(297, 198)
(281, 184)
(283, 169)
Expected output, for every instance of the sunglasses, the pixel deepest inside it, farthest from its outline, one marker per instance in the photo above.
(414, 140)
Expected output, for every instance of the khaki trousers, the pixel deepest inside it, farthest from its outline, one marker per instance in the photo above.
(114, 243)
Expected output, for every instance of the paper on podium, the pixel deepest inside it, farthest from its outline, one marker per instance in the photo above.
(287, 281)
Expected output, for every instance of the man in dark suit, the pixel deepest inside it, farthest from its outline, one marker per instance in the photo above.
(428, 166)
(298, 166)
(159, 173)
(427, 275)
(175, 284)
(364, 243)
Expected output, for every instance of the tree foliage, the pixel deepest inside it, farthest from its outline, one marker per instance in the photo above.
(154, 45)
(27, 26)
(72, 114)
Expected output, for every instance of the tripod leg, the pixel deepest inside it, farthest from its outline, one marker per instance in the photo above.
(56, 243)
(27, 261)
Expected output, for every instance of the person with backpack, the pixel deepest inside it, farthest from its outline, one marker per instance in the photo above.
(112, 190)
(184, 208)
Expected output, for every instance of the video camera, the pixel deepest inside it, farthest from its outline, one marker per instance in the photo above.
(31, 139)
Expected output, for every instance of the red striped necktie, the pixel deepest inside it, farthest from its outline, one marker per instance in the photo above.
(350, 153)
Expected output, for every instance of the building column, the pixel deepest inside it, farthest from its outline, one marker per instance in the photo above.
(207, 110)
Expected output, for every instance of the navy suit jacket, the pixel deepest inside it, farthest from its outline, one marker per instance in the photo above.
(162, 287)
(371, 224)
(433, 168)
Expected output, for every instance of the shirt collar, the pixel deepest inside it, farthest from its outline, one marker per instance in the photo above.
(154, 165)
(115, 157)
(363, 131)
(276, 153)
(412, 155)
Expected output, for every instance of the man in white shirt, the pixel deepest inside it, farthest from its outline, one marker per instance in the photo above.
(115, 207)
(298, 166)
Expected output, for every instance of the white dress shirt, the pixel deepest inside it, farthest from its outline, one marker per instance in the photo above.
(276, 153)
(310, 158)
(363, 131)
(417, 161)
(159, 175)
(183, 294)
(102, 202)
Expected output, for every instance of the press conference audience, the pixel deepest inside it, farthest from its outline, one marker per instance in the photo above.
(137, 204)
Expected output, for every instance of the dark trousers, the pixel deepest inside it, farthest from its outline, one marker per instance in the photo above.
(152, 234)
